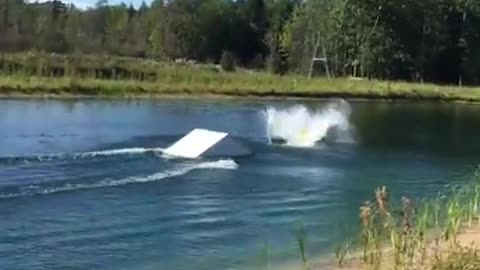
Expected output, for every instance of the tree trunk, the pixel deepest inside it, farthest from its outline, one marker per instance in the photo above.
(421, 64)
(325, 61)
(462, 36)
(363, 46)
(316, 41)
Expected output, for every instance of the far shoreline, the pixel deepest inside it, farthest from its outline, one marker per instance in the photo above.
(231, 97)
(49, 76)
(167, 80)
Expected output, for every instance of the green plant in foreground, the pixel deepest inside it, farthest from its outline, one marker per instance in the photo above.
(454, 215)
(370, 235)
(436, 206)
(301, 238)
(423, 218)
(422, 237)
(472, 204)
(422, 225)
(403, 231)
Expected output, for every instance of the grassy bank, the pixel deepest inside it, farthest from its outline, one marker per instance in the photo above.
(87, 75)
(442, 233)
(240, 84)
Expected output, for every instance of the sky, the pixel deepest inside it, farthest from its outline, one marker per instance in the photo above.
(91, 3)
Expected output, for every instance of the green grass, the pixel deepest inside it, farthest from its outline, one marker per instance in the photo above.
(189, 82)
(103, 76)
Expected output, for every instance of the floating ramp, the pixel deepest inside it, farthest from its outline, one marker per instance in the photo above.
(195, 143)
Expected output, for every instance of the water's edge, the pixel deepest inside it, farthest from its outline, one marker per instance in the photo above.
(245, 97)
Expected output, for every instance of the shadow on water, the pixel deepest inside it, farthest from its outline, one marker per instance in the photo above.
(453, 128)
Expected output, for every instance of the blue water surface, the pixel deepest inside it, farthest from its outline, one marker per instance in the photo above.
(71, 199)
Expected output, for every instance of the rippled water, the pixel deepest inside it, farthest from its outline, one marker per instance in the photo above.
(83, 184)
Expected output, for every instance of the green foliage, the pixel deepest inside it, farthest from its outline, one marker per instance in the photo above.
(227, 61)
(301, 238)
(394, 39)
(276, 64)
(430, 40)
(166, 30)
(258, 62)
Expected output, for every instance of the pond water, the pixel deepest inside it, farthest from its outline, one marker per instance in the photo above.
(83, 184)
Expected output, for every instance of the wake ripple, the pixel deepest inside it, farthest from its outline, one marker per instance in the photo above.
(32, 190)
(83, 155)
(125, 151)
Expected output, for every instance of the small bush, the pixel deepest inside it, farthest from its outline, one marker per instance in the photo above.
(276, 63)
(258, 62)
(227, 61)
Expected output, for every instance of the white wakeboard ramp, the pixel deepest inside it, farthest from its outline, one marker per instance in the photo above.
(195, 143)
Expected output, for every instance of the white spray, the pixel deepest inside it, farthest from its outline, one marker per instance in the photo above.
(301, 127)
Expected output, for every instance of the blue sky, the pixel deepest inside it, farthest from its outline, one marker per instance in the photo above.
(90, 3)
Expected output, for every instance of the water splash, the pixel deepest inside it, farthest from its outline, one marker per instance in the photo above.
(301, 127)
(31, 190)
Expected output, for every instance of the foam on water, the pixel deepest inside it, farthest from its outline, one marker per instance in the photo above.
(226, 164)
(301, 127)
(124, 151)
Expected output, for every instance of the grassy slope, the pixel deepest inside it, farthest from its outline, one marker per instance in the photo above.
(197, 81)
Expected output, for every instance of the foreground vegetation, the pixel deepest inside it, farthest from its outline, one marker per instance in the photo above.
(437, 234)
(44, 74)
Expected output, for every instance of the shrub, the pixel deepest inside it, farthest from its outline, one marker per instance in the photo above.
(258, 62)
(227, 61)
(276, 63)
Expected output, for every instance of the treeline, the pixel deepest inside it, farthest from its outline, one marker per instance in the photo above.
(428, 40)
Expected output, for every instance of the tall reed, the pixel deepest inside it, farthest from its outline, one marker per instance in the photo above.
(404, 238)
